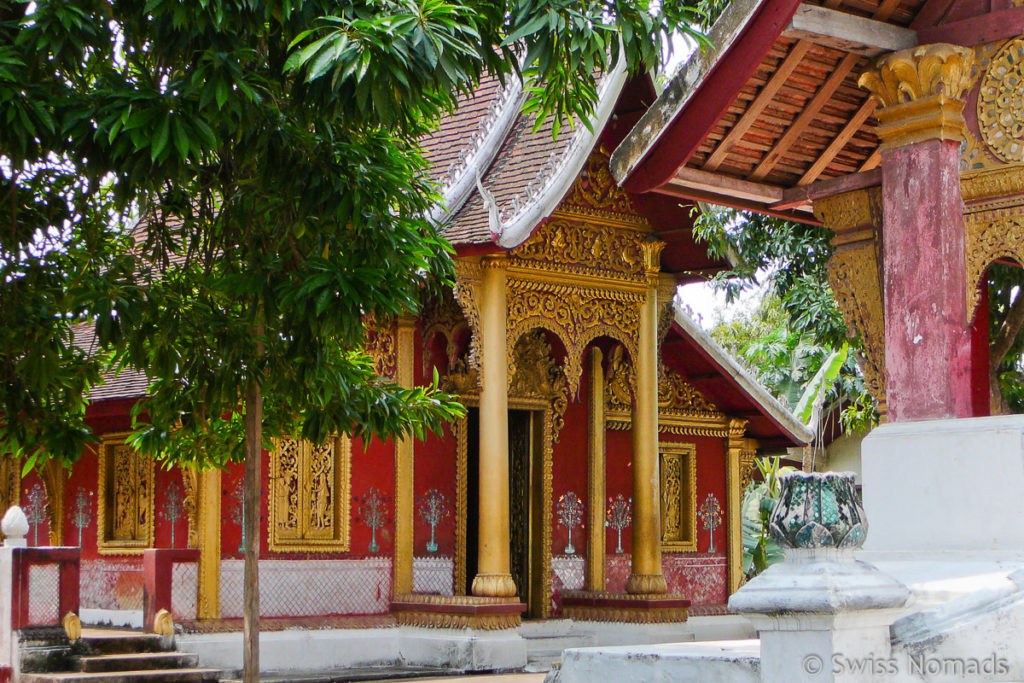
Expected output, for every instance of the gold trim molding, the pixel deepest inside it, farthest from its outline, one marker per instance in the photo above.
(678, 496)
(55, 477)
(460, 611)
(998, 233)
(618, 610)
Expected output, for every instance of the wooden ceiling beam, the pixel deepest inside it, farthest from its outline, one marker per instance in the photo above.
(673, 190)
(871, 162)
(754, 109)
(839, 142)
(847, 32)
(698, 179)
(805, 194)
(805, 119)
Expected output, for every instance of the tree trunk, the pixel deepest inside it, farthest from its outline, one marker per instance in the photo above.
(999, 347)
(251, 520)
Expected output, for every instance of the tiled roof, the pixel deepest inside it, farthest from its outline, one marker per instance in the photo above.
(515, 173)
(124, 384)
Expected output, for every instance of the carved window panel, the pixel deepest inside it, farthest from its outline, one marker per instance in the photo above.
(678, 466)
(309, 510)
(126, 498)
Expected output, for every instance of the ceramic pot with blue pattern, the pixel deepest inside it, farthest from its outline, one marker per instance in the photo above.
(818, 510)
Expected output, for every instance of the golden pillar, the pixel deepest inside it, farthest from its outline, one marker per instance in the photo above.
(404, 454)
(733, 503)
(208, 598)
(493, 578)
(596, 473)
(646, 576)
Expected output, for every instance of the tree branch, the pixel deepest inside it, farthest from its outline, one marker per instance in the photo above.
(1007, 332)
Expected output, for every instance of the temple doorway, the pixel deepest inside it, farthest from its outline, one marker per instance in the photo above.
(526, 554)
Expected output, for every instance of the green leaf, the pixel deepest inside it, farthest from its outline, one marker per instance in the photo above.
(160, 138)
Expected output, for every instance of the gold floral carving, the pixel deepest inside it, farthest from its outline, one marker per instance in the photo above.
(919, 90)
(1001, 103)
(855, 274)
(618, 387)
(468, 275)
(570, 246)
(974, 156)
(190, 482)
(309, 502)
(536, 375)
(850, 212)
(678, 496)
(576, 315)
(666, 306)
(677, 398)
(596, 195)
(442, 316)
(992, 189)
(382, 347)
(998, 233)
(747, 465)
(125, 508)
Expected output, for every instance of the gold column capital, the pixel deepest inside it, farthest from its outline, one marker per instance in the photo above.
(920, 91)
(651, 250)
(494, 261)
(737, 428)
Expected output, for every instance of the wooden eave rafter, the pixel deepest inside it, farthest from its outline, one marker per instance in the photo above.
(848, 32)
(776, 134)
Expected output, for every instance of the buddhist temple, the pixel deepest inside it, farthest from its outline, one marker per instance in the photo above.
(597, 474)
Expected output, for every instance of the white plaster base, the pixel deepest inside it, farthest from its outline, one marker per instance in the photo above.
(605, 633)
(332, 649)
(733, 661)
(945, 485)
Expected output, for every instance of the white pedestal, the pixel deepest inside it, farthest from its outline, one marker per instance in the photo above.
(822, 616)
(945, 485)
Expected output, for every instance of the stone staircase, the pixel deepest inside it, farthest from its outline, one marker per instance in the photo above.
(125, 657)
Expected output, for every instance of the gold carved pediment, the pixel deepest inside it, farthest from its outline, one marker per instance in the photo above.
(677, 398)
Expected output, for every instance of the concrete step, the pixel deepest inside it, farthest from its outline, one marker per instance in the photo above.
(541, 665)
(153, 676)
(125, 643)
(546, 628)
(137, 661)
(553, 646)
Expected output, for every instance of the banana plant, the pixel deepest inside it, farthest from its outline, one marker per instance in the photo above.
(759, 499)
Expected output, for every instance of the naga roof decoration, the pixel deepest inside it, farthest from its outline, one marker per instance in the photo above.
(500, 177)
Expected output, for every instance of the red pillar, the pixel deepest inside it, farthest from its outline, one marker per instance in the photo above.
(927, 332)
(980, 397)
